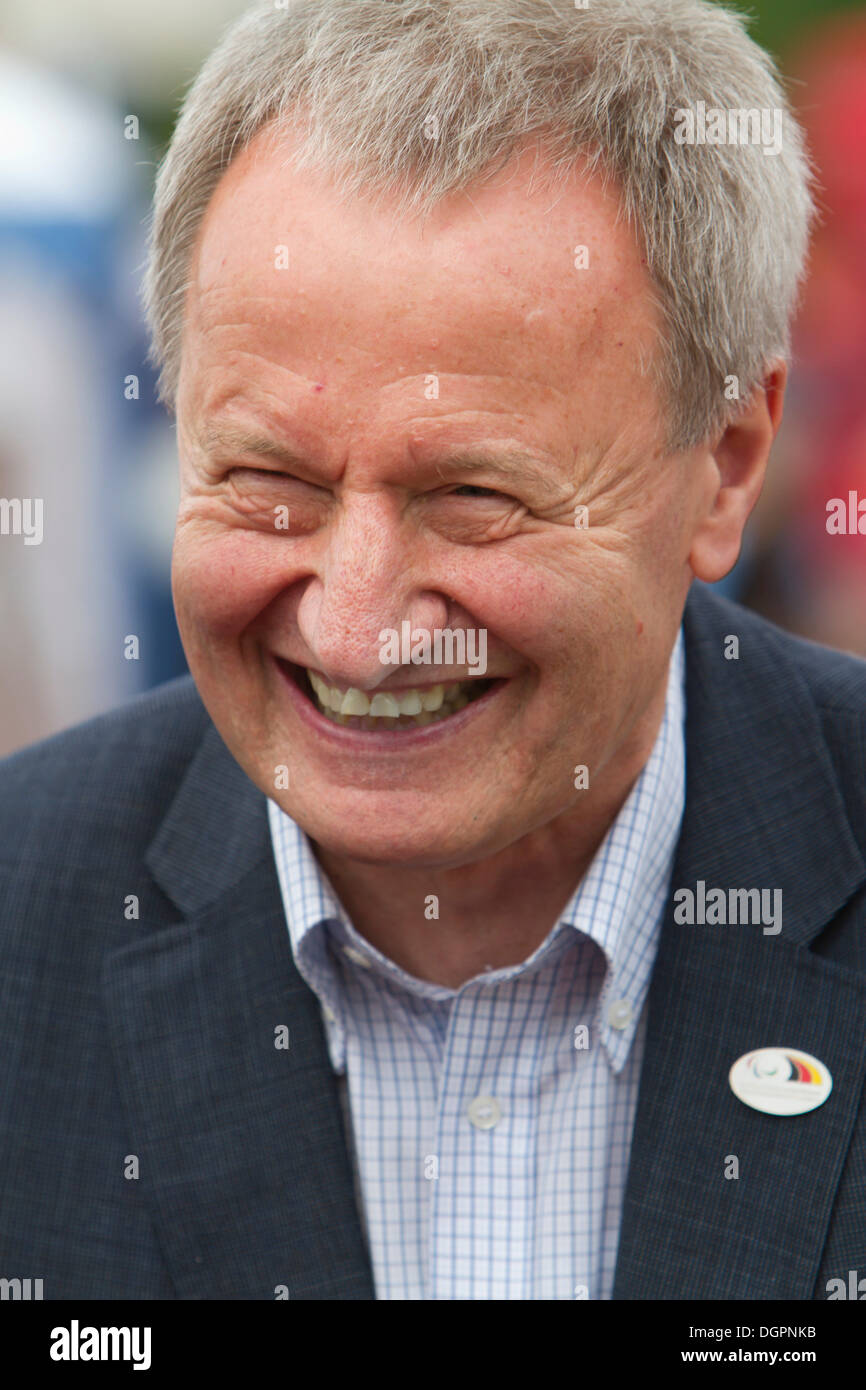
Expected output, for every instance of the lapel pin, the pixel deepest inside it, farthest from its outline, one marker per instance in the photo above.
(780, 1081)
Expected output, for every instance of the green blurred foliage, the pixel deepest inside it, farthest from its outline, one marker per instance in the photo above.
(778, 24)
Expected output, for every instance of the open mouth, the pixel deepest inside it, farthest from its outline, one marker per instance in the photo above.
(412, 707)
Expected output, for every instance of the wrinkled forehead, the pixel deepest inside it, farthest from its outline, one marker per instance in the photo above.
(521, 275)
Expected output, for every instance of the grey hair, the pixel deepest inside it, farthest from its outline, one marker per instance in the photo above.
(724, 227)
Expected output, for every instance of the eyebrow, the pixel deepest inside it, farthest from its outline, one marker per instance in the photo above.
(234, 439)
(512, 464)
(515, 465)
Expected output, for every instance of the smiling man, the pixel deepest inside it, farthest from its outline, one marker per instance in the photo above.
(370, 953)
(343, 501)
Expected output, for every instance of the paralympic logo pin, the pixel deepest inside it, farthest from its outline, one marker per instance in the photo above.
(780, 1081)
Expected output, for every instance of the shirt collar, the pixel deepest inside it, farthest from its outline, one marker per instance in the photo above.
(311, 906)
(617, 904)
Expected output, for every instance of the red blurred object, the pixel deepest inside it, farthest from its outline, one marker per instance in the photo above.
(828, 402)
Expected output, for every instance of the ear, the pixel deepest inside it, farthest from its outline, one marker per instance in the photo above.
(738, 461)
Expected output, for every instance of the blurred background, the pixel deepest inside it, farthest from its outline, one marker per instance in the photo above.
(89, 91)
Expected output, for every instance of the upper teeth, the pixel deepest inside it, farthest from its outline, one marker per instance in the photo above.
(387, 704)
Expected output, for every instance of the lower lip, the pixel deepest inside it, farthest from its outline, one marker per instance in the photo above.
(368, 740)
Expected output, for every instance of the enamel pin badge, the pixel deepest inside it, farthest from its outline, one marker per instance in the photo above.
(780, 1081)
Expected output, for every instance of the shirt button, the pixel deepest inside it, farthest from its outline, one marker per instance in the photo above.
(484, 1112)
(357, 957)
(619, 1014)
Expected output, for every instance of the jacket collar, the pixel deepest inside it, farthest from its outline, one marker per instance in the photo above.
(242, 1151)
(763, 804)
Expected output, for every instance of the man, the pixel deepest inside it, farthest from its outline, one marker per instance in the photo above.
(391, 956)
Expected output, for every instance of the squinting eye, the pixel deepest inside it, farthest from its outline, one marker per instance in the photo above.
(261, 472)
(470, 490)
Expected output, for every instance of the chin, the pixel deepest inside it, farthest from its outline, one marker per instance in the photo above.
(398, 843)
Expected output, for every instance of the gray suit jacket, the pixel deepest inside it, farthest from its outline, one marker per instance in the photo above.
(152, 1038)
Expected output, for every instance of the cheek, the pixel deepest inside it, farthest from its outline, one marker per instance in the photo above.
(222, 579)
(516, 600)
(558, 604)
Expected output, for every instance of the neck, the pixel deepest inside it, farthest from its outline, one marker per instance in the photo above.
(449, 924)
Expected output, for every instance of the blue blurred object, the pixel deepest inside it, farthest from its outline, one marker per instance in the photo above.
(73, 198)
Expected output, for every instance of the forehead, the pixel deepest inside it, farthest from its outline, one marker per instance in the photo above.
(513, 278)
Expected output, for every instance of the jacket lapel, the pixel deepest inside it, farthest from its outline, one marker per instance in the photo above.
(763, 810)
(241, 1148)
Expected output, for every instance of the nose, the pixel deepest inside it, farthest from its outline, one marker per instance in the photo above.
(368, 582)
